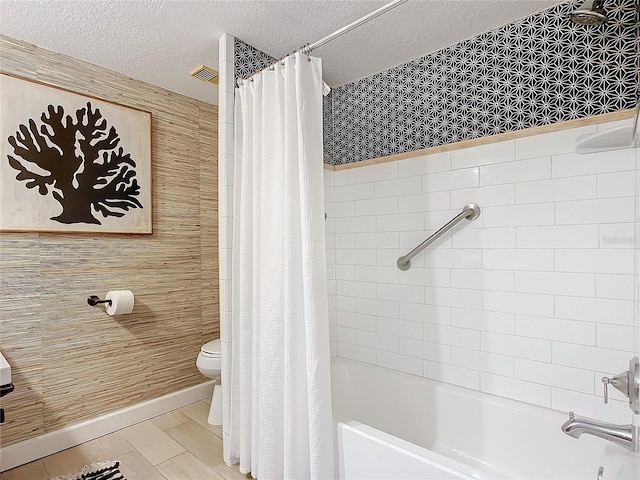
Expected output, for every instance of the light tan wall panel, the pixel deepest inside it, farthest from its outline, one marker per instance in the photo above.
(71, 361)
(209, 229)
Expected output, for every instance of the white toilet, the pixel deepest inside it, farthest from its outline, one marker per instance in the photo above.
(208, 362)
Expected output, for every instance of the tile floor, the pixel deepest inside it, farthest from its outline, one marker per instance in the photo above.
(178, 445)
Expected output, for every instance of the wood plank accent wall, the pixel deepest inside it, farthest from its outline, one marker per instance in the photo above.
(70, 361)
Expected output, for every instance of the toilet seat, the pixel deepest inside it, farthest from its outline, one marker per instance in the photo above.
(210, 355)
(211, 349)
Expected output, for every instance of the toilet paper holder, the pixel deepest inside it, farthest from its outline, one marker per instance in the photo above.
(94, 300)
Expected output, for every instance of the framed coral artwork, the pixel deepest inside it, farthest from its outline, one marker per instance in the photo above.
(72, 163)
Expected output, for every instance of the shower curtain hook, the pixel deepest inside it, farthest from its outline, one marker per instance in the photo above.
(307, 51)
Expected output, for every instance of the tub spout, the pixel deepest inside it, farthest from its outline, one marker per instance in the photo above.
(623, 435)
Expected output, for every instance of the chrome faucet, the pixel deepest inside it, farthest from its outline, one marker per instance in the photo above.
(624, 435)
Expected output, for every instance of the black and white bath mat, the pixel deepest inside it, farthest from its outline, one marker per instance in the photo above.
(96, 471)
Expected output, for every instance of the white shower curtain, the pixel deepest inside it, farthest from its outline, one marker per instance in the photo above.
(280, 412)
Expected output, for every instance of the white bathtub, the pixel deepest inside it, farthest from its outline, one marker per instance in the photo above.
(365, 453)
(456, 431)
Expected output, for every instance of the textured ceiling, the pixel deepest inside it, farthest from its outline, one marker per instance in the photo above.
(160, 41)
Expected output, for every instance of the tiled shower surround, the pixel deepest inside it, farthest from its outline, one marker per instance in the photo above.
(536, 299)
(533, 300)
(540, 70)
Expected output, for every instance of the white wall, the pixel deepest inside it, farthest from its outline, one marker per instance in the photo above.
(534, 300)
(330, 227)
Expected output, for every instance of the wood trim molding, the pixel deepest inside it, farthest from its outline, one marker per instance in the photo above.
(556, 127)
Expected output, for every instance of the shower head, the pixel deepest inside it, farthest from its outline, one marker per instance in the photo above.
(590, 13)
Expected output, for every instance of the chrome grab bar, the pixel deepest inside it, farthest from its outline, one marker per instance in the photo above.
(470, 211)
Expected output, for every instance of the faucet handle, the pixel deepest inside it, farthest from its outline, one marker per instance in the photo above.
(628, 383)
(620, 382)
(606, 381)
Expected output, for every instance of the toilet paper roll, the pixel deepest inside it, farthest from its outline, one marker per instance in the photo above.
(121, 302)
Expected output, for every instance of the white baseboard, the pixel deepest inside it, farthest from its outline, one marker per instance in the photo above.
(32, 449)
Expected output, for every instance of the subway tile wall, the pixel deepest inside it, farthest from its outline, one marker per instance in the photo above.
(226, 158)
(332, 268)
(535, 300)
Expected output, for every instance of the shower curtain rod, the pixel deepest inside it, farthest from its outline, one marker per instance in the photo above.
(308, 48)
(338, 33)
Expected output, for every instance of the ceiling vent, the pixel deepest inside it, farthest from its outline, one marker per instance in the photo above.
(206, 74)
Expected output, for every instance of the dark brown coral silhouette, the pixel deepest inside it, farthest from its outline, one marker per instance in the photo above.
(84, 170)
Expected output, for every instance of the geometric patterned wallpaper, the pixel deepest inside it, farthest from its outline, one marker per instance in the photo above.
(248, 60)
(540, 70)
